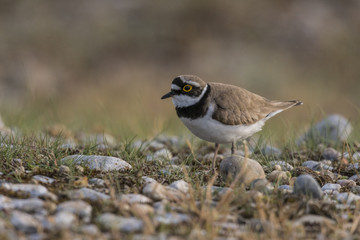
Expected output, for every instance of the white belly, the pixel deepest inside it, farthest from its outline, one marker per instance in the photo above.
(211, 130)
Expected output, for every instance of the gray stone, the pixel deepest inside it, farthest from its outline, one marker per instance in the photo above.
(276, 176)
(43, 179)
(64, 171)
(147, 180)
(332, 129)
(111, 221)
(245, 169)
(271, 151)
(64, 219)
(78, 207)
(133, 198)
(31, 205)
(24, 222)
(155, 191)
(262, 185)
(307, 185)
(285, 188)
(284, 165)
(172, 219)
(218, 192)
(356, 156)
(87, 194)
(331, 154)
(331, 188)
(310, 164)
(90, 229)
(29, 190)
(97, 182)
(160, 155)
(180, 185)
(6, 203)
(355, 177)
(346, 183)
(99, 163)
(347, 198)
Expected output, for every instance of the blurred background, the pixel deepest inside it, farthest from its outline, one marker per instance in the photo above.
(102, 66)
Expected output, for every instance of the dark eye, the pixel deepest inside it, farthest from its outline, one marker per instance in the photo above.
(187, 88)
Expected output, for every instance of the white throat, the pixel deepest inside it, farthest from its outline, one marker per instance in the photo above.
(186, 101)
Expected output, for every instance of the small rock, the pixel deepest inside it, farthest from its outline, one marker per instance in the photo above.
(43, 179)
(281, 176)
(24, 222)
(346, 183)
(218, 192)
(262, 185)
(247, 169)
(111, 221)
(87, 194)
(31, 205)
(97, 182)
(347, 198)
(180, 185)
(334, 128)
(147, 180)
(356, 156)
(64, 170)
(310, 164)
(155, 191)
(307, 185)
(311, 220)
(64, 220)
(271, 151)
(355, 177)
(331, 154)
(78, 207)
(172, 219)
(284, 165)
(331, 188)
(156, 146)
(285, 188)
(90, 229)
(160, 155)
(99, 163)
(26, 190)
(133, 198)
(139, 208)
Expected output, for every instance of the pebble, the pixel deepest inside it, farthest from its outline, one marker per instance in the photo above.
(346, 183)
(331, 188)
(285, 188)
(172, 219)
(356, 156)
(160, 155)
(355, 177)
(248, 169)
(270, 151)
(111, 221)
(87, 194)
(180, 185)
(308, 186)
(97, 182)
(133, 198)
(26, 190)
(310, 164)
(284, 165)
(64, 171)
(90, 229)
(43, 179)
(79, 208)
(99, 163)
(331, 154)
(333, 128)
(63, 219)
(347, 198)
(218, 192)
(31, 205)
(155, 191)
(279, 176)
(147, 180)
(262, 185)
(24, 222)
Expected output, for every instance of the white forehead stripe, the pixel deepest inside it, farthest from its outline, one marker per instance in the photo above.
(175, 87)
(195, 84)
(186, 101)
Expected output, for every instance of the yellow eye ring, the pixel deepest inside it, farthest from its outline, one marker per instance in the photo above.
(187, 88)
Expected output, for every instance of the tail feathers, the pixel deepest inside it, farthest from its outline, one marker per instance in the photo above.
(279, 106)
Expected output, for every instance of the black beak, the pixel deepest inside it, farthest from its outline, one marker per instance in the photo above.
(169, 94)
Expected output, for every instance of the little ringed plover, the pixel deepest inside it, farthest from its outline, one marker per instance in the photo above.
(221, 113)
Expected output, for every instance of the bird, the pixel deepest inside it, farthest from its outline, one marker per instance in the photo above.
(221, 113)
